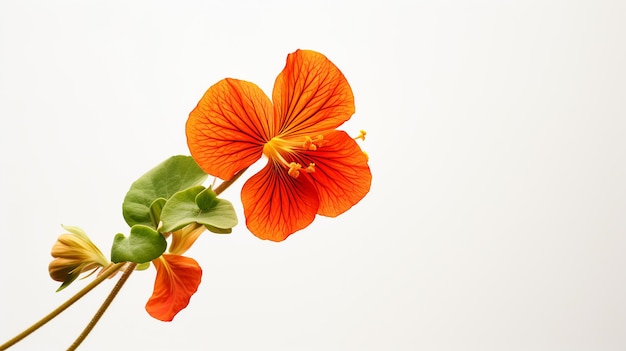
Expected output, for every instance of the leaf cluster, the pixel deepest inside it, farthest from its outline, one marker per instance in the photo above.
(165, 199)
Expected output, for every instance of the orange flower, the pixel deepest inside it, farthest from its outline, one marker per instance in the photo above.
(312, 169)
(178, 277)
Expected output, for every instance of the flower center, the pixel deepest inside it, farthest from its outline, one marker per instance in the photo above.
(277, 148)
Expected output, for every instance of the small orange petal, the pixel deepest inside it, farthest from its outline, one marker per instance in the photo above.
(227, 129)
(311, 95)
(276, 205)
(342, 176)
(178, 277)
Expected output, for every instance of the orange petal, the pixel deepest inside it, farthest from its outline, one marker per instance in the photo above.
(342, 176)
(311, 95)
(276, 205)
(178, 277)
(227, 129)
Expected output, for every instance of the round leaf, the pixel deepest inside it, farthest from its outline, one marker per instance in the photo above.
(182, 209)
(172, 175)
(144, 244)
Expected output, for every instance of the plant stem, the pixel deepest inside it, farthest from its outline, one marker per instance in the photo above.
(103, 307)
(107, 272)
(228, 183)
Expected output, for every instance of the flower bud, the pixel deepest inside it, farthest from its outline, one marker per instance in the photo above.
(74, 253)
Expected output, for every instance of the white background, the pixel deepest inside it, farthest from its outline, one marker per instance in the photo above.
(496, 218)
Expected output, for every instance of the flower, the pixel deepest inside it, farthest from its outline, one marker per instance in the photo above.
(178, 277)
(312, 168)
(74, 253)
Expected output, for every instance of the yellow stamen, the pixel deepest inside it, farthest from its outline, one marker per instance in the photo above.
(294, 169)
(278, 149)
(361, 136)
(272, 149)
(308, 144)
(367, 157)
(312, 144)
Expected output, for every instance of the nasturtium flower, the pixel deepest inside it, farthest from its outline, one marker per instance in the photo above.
(178, 277)
(74, 253)
(312, 169)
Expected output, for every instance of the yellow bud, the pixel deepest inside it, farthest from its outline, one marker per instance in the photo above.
(74, 253)
(182, 239)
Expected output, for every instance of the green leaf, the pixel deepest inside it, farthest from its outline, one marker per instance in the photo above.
(155, 211)
(172, 175)
(144, 244)
(215, 230)
(206, 199)
(71, 277)
(200, 205)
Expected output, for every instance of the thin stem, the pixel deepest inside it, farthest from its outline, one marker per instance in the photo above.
(103, 307)
(228, 183)
(107, 272)
(127, 272)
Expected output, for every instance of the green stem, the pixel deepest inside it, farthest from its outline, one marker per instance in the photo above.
(107, 272)
(229, 182)
(103, 307)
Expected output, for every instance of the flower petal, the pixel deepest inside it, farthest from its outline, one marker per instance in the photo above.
(311, 95)
(276, 205)
(178, 277)
(227, 129)
(342, 176)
